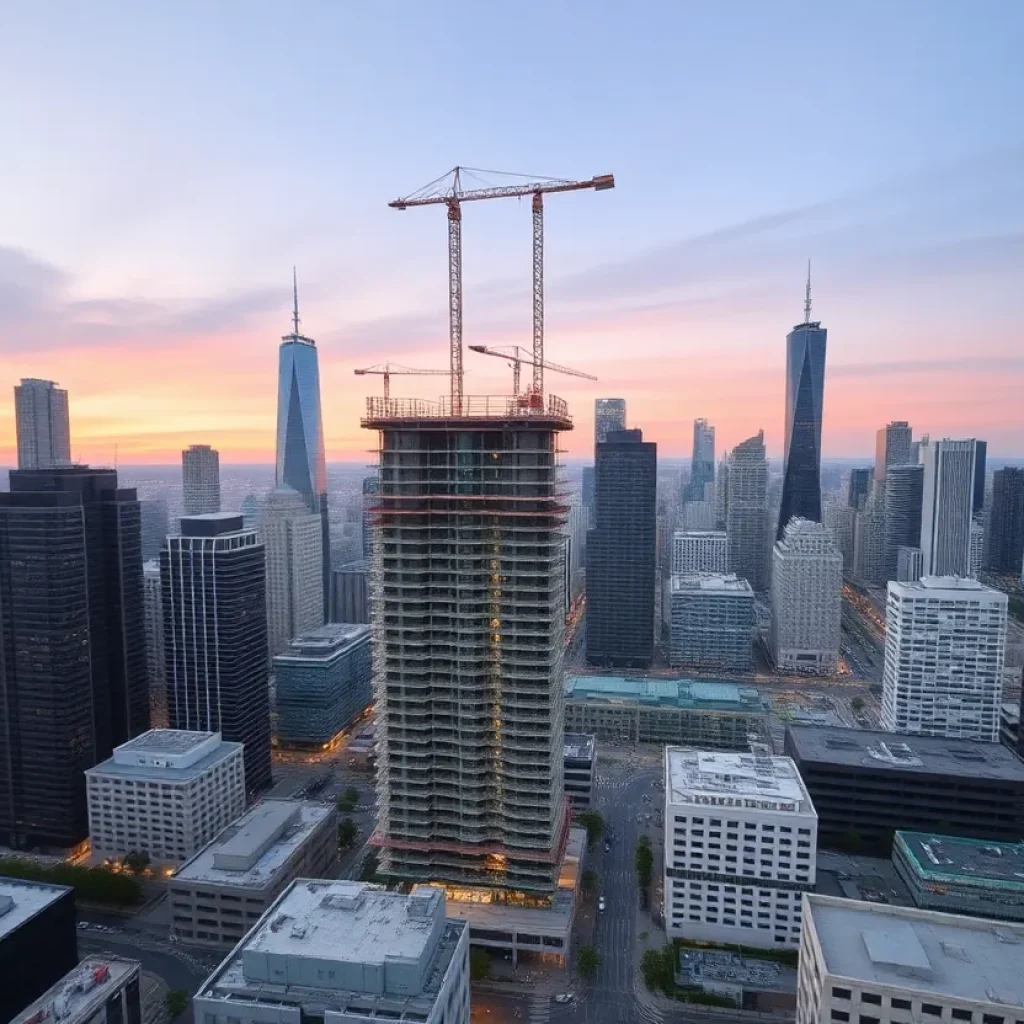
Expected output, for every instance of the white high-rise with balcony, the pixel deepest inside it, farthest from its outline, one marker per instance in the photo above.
(41, 420)
(945, 643)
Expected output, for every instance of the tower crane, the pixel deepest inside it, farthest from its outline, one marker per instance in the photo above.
(448, 190)
(516, 356)
(386, 370)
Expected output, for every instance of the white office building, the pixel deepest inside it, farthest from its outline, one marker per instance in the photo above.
(42, 425)
(947, 506)
(909, 564)
(293, 537)
(710, 621)
(166, 793)
(345, 951)
(871, 963)
(740, 847)
(807, 585)
(945, 642)
(699, 551)
(200, 480)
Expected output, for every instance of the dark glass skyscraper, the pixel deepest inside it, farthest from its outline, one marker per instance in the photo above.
(805, 396)
(904, 489)
(621, 553)
(980, 455)
(300, 435)
(702, 463)
(1006, 521)
(213, 583)
(73, 675)
(860, 484)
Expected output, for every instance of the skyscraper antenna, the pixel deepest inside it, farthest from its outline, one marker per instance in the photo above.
(295, 307)
(807, 296)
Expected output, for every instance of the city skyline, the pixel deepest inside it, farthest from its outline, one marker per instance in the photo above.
(911, 210)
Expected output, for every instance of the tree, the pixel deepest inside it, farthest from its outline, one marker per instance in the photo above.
(479, 963)
(593, 822)
(368, 870)
(588, 881)
(136, 861)
(176, 1002)
(347, 801)
(587, 962)
(652, 968)
(857, 704)
(347, 833)
(644, 860)
(96, 885)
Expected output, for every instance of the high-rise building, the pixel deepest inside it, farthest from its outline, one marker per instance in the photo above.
(213, 579)
(747, 520)
(621, 553)
(200, 480)
(371, 486)
(156, 525)
(904, 487)
(699, 551)
(41, 421)
(892, 447)
(869, 541)
(807, 584)
(722, 493)
(609, 415)
(702, 464)
(859, 487)
(909, 564)
(301, 462)
(805, 396)
(841, 522)
(468, 620)
(154, 609)
(710, 621)
(73, 680)
(350, 592)
(1006, 521)
(945, 642)
(947, 506)
(977, 548)
(980, 457)
(293, 538)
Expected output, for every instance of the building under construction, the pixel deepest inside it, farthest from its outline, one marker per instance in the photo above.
(467, 614)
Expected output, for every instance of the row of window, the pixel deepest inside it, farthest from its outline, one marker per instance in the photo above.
(748, 826)
(896, 1003)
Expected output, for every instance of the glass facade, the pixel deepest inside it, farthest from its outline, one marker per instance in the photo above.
(805, 396)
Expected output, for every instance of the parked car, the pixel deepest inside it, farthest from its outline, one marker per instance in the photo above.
(600, 904)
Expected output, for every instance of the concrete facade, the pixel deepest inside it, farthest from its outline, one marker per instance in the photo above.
(710, 621)
(41, 423)
(699, 551)
(200, 480)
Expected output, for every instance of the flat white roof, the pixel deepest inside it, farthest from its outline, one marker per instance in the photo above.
(166, 741)
(699, 777)
(21, 899)
(720, 582)
(166, 755)
(954, 957)
(83, 990)
(953, 587)
(263, 838)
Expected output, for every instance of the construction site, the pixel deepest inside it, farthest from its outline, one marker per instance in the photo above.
(468, 608)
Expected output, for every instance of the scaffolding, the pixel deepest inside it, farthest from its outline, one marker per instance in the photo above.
(467, 614)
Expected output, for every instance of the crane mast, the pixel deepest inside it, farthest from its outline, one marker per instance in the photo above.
(448, 190)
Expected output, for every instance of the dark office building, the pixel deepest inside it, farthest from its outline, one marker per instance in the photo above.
(805, 396)
(867, 785)
(213, 583)
(73, 676)
(904, 490)
(350, 592)
(621, 553)
(860, 485)
(156, 525)
(1006, 521)
(38, 943)
(980, 454)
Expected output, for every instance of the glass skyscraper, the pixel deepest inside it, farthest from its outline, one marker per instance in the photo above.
(300, 433)
(805, 395)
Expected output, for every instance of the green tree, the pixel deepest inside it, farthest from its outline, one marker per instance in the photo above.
(644, 860)
(587, 962)
(347, 833)
(588, 881)
(479, 963)
(593, 822)
(347, 801)
(176, 1002)
(651, 968)
(368, 869)
(95, 885)
(857, 704)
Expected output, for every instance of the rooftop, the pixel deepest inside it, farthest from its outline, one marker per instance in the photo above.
(966, 958)
(716, 534)
(938, 586)
(325, 642)
(698, 777)
(687, 694)
(21, 900)
(167, 755)
(167, 741)
(882, 751)
(728, 583)
(554, 413)
(82, 992)
(252, 850)
(579, 746)
(972, 862)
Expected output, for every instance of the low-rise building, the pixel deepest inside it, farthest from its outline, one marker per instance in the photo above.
(34, 916)
(871, 963)
(323, 684)
(962, 876)
(867, 785)
(167, 793)
(579, 762)
(740, 847)
(687, 712)
(102, 989)
(710, 621)
(345, 951)
(218, 895)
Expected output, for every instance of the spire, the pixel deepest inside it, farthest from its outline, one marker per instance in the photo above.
(807, 296)
(295, 296)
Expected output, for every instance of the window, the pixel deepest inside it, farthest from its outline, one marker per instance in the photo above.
(840, 993)
(868, 1020)
(991, 1018)
(871, 997)
(931, 1009)
(962, 1014)
(904, 1004)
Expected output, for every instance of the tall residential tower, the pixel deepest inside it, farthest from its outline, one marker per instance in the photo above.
(747, 522)
(947, 506)
(702, 463)
(41, 420)
(200, 480)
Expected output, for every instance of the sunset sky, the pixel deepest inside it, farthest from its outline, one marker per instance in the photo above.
(164, 164)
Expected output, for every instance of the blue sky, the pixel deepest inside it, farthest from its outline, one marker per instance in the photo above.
(164, 165)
